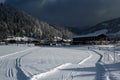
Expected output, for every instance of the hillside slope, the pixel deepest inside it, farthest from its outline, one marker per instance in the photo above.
(14, 22)
(113, 26)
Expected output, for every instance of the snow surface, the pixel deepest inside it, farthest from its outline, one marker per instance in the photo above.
(4, 50)
(60, 63)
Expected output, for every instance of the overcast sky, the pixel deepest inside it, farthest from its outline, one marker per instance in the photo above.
(70, 12)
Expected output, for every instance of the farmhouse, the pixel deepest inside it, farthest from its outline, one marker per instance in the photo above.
(90, 39)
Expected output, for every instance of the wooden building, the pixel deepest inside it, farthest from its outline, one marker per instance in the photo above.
(98, 39)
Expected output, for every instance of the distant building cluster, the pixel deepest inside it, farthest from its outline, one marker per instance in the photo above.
(102, 39)
(37, 42)
(99, 39)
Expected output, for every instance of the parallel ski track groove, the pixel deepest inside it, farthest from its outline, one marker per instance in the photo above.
(14, 65)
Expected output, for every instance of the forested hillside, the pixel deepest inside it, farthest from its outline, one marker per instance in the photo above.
(14, 22)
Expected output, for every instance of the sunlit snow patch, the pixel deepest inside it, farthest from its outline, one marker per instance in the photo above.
(38, 76)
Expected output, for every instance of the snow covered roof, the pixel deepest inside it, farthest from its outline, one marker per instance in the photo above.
(19, 38)
(96, 33)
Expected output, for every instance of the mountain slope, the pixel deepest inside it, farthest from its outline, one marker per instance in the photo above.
(113, 26)
(14, 22)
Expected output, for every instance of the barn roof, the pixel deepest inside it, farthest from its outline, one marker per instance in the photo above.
(97, 33)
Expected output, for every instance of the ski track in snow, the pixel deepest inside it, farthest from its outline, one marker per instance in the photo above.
(102, 71)
(11, 54)
(10, 67)
(86, 59)
(91, 68)
(61, 67)
(108, 73)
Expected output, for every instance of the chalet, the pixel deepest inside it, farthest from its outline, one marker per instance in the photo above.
(90, 39)
(114, 38)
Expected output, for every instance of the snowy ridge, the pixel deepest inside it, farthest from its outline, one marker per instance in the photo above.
(116, 33)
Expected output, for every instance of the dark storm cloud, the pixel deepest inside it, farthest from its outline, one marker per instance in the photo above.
(70, 12)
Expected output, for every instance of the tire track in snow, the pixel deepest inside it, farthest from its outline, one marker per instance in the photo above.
(63, 66)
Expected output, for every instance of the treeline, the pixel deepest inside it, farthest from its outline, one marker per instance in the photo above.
(14, 22)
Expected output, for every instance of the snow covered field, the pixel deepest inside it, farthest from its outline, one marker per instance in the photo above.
(59, 63)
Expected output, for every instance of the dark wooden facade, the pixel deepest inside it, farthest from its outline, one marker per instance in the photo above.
(90, 40)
